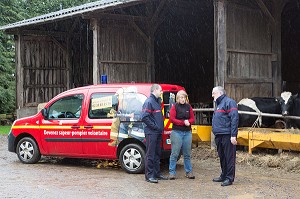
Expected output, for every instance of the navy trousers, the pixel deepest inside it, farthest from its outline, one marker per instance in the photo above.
(227, 155)
(153, 154)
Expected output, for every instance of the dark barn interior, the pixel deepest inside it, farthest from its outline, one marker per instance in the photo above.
(291, 46)
(184, 48)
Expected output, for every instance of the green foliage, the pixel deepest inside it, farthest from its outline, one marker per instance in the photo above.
(12, 11)
(4, 130)
(8, 13)
(39, 7)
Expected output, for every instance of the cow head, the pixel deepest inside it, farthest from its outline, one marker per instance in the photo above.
(286, 101)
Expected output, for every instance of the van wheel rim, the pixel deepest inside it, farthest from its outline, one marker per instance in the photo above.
(26, 150)
(132, 159)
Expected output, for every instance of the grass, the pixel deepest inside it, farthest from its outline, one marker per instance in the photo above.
(4, 130)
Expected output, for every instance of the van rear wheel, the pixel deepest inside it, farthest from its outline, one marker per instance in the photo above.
(27, 150)
(132, 158)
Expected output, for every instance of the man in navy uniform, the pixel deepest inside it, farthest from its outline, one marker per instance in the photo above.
(153, 118)
(225, 128)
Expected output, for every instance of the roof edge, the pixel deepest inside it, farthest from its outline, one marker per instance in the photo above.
(68, 12)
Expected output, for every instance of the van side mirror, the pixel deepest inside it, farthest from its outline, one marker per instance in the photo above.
(45, 113)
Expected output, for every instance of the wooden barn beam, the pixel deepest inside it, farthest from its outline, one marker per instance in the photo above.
(95, 28)
(118, 17)
(220, 43)
(19, 73)
(157, 11)
(62, 46)
(138, 29)
(266, 11)
(46, 33)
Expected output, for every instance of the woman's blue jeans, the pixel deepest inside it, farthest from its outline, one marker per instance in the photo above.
(181, 139)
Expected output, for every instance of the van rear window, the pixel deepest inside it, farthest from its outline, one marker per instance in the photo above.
(103, 105)
(169, 98)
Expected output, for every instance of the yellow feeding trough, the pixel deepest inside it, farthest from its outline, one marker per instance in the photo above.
(201, 133)
(287, 139)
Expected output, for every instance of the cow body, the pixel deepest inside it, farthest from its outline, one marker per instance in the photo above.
(290, 106)
(259, 105)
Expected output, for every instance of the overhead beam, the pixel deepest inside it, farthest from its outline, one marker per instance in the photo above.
(137, 28)
(118, 17)
(266, 11)
(44, 33)
(158, 10)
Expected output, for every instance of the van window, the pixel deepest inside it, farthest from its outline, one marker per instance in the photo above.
(130, 107)
(169, 99)
(103, 105)
(66, 108)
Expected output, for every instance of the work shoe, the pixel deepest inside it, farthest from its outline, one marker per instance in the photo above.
(172, 177)
(219, 179)
(190, 175)
(226, 182)
(152, 180)
(162, 177)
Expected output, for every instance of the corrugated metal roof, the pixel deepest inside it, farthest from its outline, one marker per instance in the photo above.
(89, 7)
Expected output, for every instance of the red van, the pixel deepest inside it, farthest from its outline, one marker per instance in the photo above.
(96, 122)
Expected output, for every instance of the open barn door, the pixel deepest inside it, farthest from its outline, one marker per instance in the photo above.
(244, 54)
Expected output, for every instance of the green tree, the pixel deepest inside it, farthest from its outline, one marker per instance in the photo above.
(9, 13)
(12, 11)
(39, 7)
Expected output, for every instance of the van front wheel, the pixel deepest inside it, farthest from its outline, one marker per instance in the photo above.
(132, 158)
(27, 150)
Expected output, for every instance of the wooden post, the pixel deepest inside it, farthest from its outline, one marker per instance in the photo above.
(150, 57)
(276, 49)
(68, 64)
(95, 28)
(220, 48)
(220, 42)
(151, 33)
(19, 73)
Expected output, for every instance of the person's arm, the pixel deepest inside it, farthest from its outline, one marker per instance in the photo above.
(173, 117)
(192, 117)
(146, 116)
(234, 117)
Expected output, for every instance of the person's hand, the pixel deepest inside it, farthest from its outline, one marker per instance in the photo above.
(187, 123)
(233, 140)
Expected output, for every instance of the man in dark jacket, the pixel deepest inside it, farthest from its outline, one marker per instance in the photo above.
(153, 118)
(225, 128)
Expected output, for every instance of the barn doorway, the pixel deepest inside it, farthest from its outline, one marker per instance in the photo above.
(290, 30)
(184, 48)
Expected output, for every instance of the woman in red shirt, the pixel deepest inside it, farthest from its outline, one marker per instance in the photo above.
(182, 116)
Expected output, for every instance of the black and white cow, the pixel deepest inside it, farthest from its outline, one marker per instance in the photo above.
(290, 106)
(259, 105)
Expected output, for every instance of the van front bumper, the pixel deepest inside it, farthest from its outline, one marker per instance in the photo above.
(11, 142)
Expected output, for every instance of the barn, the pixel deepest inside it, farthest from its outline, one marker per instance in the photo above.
(248, 46)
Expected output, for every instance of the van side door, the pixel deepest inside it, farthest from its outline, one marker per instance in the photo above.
(101, 108)
(60, 130)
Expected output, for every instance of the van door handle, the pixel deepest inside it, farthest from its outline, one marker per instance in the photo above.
(75, 127)
(88, 127)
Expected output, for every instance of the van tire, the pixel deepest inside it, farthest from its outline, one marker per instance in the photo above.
(132, 158)
(28, 151)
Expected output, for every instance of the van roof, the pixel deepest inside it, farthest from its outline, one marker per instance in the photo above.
(165, 87)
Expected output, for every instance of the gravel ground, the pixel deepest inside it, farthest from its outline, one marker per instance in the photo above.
(79, 178)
